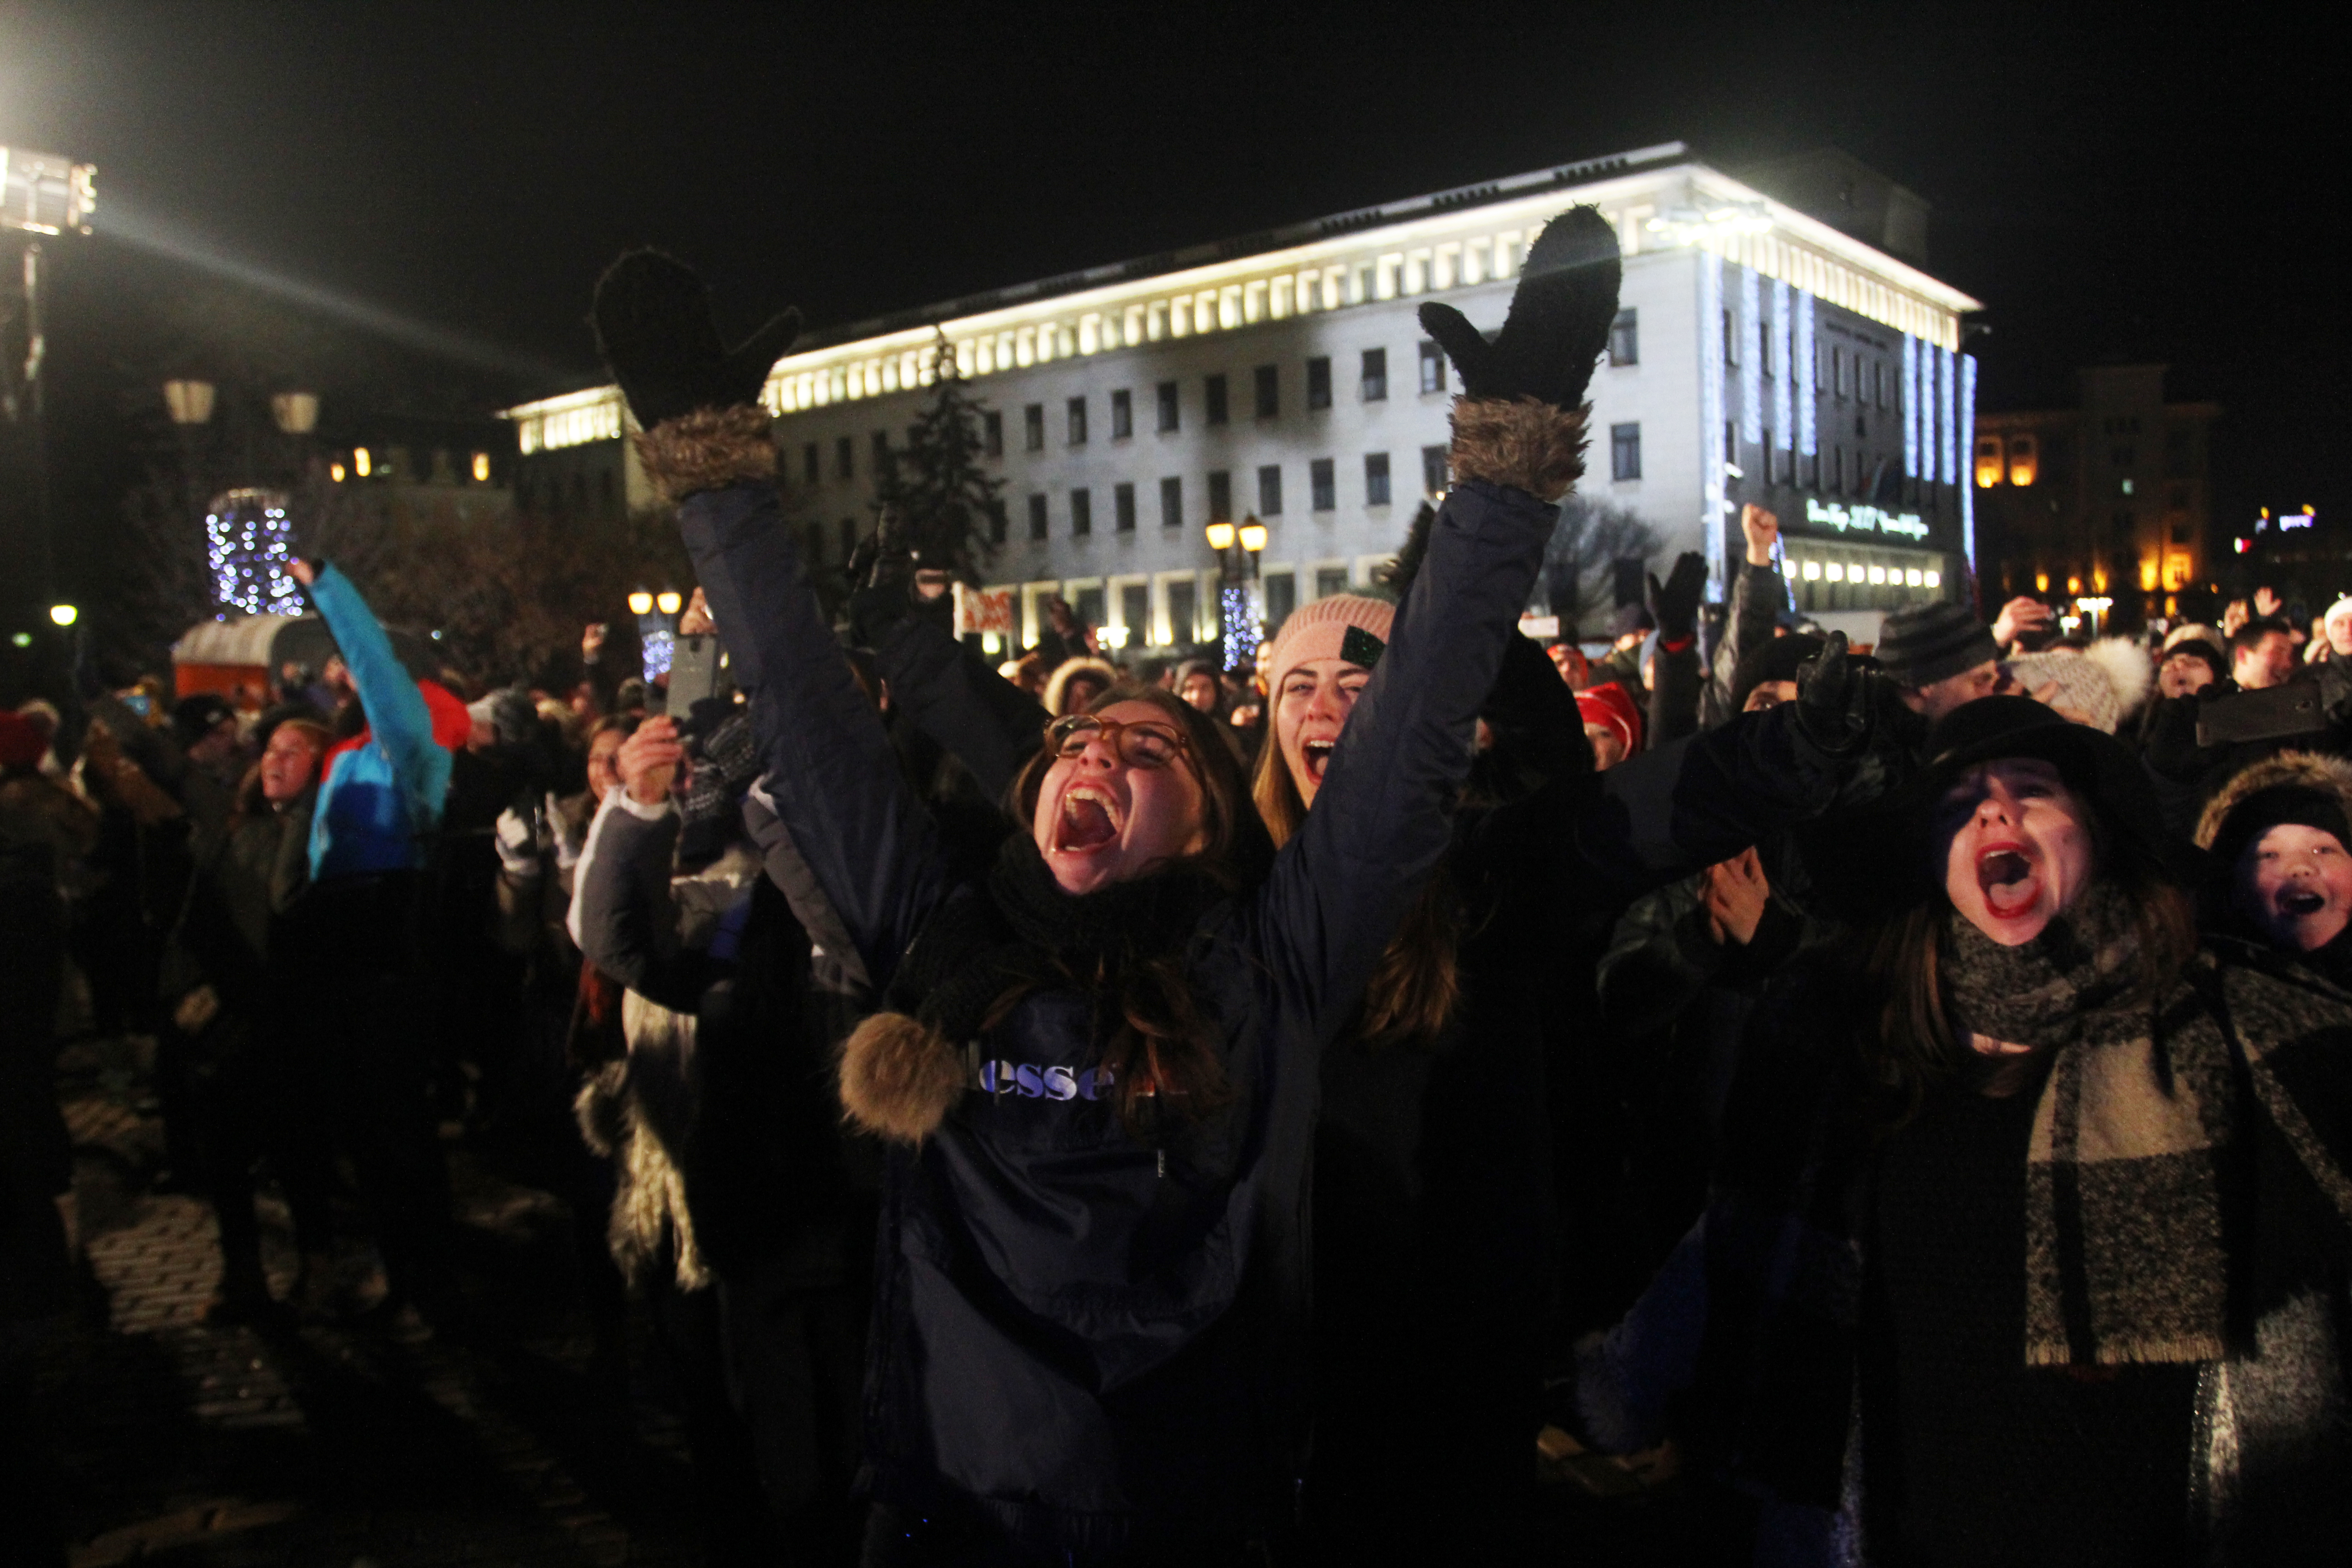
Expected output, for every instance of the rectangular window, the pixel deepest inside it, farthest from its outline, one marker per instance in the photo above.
(1172, 503)
(1432, 368)
(1625, 451)
(848, 537)
(1376, 479)
(1033, 428)
(810, 468)
(881, 452)
(1318, 385)
(1837, 472)
(1082, 513)
(1837, 373)
(844, 458)
(998, 525)
(1376, 376)
(1764, 456)
(1433, 470)
(1212, 395)
(815, 536)
(1123, 415)
(1731, 441)
(1220, 496)
(1135, 611)
(1626, 337)
(1269, 384)
(1037, 517)
(1183, 612)
(1122, 507)
(1281, 598)
(1089, 606)
(1330, 579)
(1269, 491)
(1078, 406)
(1168, 412)
(1730, 338)
(1323, 491)
(992, 433)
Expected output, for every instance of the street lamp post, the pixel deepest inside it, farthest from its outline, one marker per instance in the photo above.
(1242, 614)
(42, 194)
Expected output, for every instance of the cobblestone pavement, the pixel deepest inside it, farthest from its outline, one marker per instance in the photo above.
(326, 1447)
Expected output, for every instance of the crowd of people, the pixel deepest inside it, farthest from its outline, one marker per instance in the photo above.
(1153, 1113)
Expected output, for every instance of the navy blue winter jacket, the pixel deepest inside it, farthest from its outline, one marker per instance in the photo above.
(1090, 1338)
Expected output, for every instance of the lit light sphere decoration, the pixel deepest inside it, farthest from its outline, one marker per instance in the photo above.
(249, 540)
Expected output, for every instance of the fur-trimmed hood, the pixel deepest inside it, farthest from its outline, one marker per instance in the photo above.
(2310, 770)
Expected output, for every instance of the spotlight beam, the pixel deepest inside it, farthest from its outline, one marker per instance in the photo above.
(124, 221)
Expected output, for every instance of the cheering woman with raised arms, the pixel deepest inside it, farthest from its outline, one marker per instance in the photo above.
(1099, 1059)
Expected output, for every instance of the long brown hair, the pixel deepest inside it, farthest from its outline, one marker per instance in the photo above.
(1418, 981)
(1163, 1056)
(1905, 1036)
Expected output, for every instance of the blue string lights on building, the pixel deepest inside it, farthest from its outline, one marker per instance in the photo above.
(248, 542)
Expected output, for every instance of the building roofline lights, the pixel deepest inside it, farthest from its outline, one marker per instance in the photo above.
(1417, 245)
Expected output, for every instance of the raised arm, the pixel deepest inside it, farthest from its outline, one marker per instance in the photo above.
(396, 714)
(978, 716)
(830, 770)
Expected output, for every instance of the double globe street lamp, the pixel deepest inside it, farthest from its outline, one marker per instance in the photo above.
(1241, 611)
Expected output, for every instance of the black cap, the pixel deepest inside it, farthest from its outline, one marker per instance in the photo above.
(194, 718)
(2267, 808)
(1928, 643)
(1885, 860)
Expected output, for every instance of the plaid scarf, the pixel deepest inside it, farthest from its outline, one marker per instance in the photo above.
(2135, 1136)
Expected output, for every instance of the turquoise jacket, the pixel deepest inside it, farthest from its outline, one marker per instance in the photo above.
(382, 795)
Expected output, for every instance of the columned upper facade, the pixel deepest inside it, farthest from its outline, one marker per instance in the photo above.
(1762, 354)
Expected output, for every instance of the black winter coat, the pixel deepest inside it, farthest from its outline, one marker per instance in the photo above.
(1090, 1338)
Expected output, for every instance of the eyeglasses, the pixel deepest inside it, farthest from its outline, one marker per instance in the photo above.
(1139, 743)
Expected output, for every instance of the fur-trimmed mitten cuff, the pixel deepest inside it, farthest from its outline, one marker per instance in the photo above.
(1524, 442)
(709, 449)
(899, 1076)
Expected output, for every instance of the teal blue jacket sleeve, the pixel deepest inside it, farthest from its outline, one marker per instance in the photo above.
(396, 710)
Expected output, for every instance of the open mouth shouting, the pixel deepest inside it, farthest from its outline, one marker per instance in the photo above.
(1317, 757)
(1090, 822)
(2301, 903)
(2008, 878)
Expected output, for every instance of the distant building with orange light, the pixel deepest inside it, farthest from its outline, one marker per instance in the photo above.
(2110, 499)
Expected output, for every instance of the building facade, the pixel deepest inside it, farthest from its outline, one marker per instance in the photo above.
(1761, 354)
(2108, 502)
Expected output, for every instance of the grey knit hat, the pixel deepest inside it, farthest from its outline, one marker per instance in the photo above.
(1923, 644)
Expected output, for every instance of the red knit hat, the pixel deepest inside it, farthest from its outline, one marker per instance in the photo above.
(1322, 630)
(22, 742)
(1613, 707)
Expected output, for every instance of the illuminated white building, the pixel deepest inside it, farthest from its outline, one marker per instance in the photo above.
(1762, 354)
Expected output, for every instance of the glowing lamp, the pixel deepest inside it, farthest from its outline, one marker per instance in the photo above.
(1935, 579)
(2042, 582)
(297, 413)
(21, 640)
(1115, 636)
(669, 601)
(335, 472)
(64, 615)
(641, 603)
(2147, 576)
(361, 463)
(1253, 537)
(1220, 536)
(2074, 584)
(189, 402)
(481, 468)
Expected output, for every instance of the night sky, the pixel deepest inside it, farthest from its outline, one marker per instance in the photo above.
(2138, 184)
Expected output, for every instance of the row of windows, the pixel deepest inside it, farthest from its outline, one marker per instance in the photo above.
(1322, 490)
(1838, 372)
(1265, 389)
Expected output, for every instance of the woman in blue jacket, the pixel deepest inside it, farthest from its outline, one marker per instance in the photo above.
(1101, 1058)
